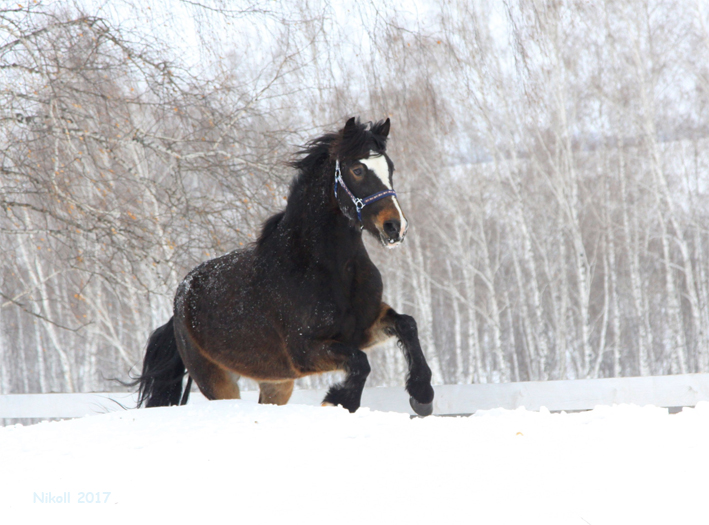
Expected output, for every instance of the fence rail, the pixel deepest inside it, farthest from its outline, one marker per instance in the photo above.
(580, 394)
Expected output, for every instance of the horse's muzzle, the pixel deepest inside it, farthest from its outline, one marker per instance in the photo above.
(392, 228)
(392, 232)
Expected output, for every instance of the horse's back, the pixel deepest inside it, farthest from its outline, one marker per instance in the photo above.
(221, 311)
(213, 284)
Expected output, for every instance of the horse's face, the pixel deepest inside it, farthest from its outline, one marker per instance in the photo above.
(368, 177)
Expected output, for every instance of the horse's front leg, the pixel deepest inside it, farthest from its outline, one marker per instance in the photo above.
(356, 365)
(403, 327)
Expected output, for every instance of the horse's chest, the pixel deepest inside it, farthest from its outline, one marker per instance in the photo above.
(361, 301)
(347, 306)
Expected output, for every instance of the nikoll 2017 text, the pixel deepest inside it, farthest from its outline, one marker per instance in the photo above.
(65, 497)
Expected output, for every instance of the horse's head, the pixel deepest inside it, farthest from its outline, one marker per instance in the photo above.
(364, 181)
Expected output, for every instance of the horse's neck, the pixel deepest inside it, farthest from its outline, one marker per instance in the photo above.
(319, 228)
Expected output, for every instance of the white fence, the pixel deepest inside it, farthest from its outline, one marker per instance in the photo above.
(581, 394)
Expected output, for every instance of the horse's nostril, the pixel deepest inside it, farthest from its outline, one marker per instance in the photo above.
(392, 228)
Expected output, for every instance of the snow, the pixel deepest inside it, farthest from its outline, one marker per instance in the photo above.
(239, 462)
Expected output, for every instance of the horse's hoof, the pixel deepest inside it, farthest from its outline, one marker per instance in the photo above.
(422, 409)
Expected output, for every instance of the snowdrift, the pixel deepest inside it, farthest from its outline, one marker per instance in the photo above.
(239, 462)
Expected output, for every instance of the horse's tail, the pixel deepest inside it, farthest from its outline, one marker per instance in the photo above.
(163, 370)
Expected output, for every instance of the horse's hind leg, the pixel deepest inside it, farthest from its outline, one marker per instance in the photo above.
(418, 384)
(213, 380)
(216, 382)
(275, 393)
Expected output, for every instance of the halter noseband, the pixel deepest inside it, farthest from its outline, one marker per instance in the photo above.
(359, 203)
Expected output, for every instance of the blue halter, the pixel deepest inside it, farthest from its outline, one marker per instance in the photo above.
(359, 203)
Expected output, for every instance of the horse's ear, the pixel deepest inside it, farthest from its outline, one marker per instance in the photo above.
(385, 128)
(350, 126)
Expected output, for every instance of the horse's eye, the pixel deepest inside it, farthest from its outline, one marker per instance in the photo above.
(358, 172)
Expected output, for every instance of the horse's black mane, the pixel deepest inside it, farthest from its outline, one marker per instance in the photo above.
(355, 144)
(269, 227)
(348, 144)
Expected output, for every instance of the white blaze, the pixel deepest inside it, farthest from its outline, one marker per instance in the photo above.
(378, 165)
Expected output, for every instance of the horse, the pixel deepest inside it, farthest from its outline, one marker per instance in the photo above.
(305, 298)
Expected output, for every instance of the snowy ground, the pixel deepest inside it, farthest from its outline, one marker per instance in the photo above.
(238, 462)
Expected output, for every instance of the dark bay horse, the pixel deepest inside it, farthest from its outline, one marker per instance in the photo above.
(305, 299)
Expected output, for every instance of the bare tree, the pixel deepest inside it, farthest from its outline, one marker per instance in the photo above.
(551, 157)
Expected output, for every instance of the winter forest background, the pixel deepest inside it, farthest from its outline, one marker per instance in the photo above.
(551, 157)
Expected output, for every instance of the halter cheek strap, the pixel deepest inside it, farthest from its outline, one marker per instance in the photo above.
(359, 203)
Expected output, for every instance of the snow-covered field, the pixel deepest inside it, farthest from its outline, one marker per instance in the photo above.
(239, 462)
